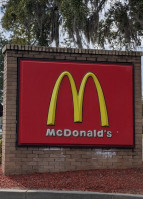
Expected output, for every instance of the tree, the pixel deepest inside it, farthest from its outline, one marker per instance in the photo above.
(32, 21)
(3, 41)
(81, 19)
(38, 21)
(123, 24)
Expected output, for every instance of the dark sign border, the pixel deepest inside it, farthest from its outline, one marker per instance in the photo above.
(71, 146)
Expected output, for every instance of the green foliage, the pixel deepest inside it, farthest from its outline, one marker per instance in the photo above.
(32, 21)
(3, 41)
(38, 22)
(81, 19)
(74, 13)
(123, 24)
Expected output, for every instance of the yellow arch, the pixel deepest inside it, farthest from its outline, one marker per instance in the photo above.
(77, 98)
(101, 99)
(53, 102)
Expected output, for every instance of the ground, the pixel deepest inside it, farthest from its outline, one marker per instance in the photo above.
(116, 181)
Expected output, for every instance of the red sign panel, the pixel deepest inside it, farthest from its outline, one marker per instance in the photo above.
(73, 103)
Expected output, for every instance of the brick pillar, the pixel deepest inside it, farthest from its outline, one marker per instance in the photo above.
(20, 160)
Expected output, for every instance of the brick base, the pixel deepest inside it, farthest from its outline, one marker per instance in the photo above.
(20, 160)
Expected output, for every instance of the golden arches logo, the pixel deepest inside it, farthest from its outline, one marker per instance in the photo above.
(77, 98)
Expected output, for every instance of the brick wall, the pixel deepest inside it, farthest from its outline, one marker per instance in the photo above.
(20, 160)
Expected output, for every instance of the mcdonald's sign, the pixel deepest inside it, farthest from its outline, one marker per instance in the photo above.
(75, 104)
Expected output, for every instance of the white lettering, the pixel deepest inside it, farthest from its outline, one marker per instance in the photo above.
(59, 133)
(109, 134)
(100, 134)
(94, 133)
(67, 132)
(82, 133)
(75, 133)
(89, 133)
(50, 132)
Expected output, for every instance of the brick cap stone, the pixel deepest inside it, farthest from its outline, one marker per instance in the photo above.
(13, 47)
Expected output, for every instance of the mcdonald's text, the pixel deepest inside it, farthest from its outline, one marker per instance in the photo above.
(75, 133)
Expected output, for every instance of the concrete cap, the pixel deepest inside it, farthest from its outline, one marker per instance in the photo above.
(70, 50)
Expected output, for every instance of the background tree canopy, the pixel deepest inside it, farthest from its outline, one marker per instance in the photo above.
(38, 21)
(117, 24)
(3, 41)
